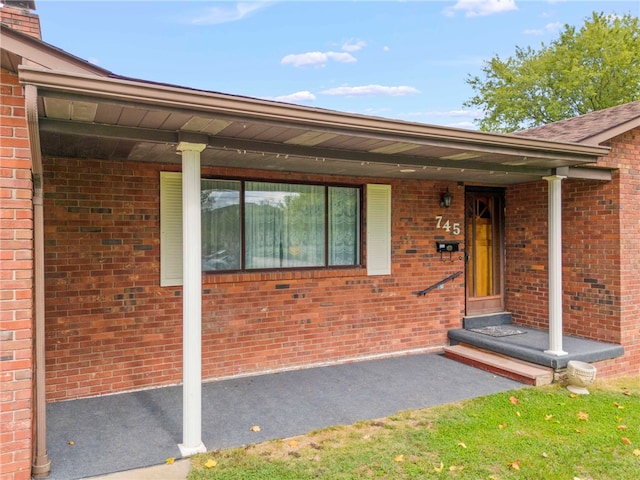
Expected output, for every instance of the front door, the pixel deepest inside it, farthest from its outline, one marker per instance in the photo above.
(484, 250)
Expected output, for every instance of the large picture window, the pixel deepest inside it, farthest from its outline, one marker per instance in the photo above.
(248, 225)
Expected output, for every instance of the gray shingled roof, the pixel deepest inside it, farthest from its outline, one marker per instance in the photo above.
(591, 128)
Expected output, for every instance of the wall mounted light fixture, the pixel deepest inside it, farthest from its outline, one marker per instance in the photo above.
(445, 199)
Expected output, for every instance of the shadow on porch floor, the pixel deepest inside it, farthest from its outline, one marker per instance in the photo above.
(132, 430)
(531, 344)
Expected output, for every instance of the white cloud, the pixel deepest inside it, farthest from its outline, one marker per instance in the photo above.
(297, 97)
(320, 59)
(466, 125)
(448, 113)
(353, 46)
(448, 118)
(548, 28)
(341, 57)
(480, 8)
(316, 59)
(228, 12)
(378, 111)
(385, 48)
(458, 113)
(371, 90)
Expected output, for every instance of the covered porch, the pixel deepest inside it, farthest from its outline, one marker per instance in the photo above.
(141, 123)
(101, 435)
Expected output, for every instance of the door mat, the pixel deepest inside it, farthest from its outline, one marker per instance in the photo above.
(498, 330)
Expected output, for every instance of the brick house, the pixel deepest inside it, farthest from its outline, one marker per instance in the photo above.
(154, 235)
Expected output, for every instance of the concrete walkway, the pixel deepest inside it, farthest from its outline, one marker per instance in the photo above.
(176, 471)
(123, 433)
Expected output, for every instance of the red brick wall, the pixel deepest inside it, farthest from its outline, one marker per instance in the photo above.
(591, 259)
(601, 255)
(16, 281)
(111, 327)
(625, 149)
(526, 278)
(21, 20)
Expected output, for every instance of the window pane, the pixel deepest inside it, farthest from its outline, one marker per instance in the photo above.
(221, 227)
(284, 225)
(344, 226)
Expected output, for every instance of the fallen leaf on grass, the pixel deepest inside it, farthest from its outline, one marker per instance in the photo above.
(636, 452)
(211, 463)
(517, 414)
(293, 443)
(455, 468)
(170, 460)
(626, 441)
(461, 444)
(545, 455)
(514, 400)
(399, 458)
(502, 426)
(515, 465)
(255, 428)
(622, 427)
(440, 468)
(548, 417)
(574, 395)
(617, 405)
(580, 430)
(583, 416)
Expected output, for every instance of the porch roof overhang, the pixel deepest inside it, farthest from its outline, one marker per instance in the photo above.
(118, 118)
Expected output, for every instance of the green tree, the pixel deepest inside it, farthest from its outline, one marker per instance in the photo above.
(595, 67)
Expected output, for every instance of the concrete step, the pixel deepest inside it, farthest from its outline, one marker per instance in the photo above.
(514, 369)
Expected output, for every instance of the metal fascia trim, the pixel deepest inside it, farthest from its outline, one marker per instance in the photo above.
(248, 108)
(46, 55)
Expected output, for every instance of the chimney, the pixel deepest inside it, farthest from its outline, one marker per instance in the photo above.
(18, 15)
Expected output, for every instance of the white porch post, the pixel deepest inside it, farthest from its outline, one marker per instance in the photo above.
(191, 301)
(555, 265)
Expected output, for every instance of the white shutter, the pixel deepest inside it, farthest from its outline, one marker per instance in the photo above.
(378, 229)
(170, 228)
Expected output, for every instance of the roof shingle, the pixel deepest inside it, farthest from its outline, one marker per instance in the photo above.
(591, 128)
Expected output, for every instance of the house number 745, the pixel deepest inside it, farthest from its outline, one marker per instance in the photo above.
(447, 226)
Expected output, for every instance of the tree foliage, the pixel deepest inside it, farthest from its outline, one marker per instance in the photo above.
(595, 67)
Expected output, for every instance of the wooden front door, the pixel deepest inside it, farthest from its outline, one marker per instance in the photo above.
(484, 251)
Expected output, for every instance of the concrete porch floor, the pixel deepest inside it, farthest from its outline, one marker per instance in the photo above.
(530, 346)
(132, 430)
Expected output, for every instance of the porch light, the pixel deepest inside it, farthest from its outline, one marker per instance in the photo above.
(445, 199)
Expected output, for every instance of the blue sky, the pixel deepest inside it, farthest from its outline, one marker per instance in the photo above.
(404, 60)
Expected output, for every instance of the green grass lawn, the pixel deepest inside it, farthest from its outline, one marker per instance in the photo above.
(529, 433)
